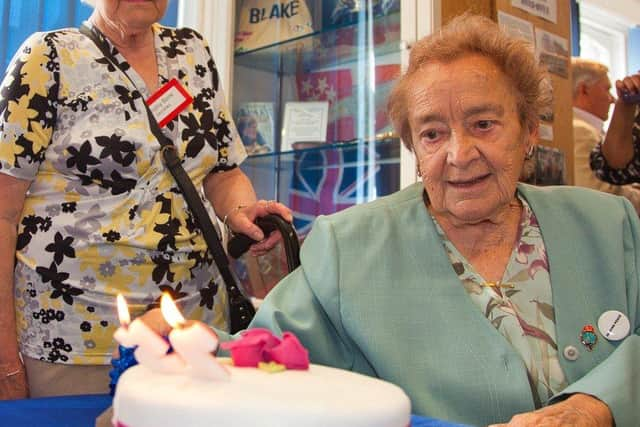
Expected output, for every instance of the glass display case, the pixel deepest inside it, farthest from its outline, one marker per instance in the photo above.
(337, 54)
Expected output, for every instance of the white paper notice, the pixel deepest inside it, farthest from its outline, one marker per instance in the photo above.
(553, 52)
(304, 122)
(545, 131)
(516, 27)
(545, 9)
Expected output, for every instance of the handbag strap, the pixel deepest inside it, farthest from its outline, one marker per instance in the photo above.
(245, 310)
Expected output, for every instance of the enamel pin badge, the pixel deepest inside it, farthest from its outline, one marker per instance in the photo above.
(588, 337)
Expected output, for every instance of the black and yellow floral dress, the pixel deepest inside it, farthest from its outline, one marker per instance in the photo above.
(103, 215)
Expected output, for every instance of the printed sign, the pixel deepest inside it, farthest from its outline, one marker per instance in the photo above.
(304, 122)
(516, 27)
(545, 9)
(266, 22)
(553, 52)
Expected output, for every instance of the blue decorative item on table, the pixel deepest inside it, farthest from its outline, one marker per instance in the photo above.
(121, 364)
(126, 360)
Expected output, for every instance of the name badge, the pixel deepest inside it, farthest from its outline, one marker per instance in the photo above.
(168, 101)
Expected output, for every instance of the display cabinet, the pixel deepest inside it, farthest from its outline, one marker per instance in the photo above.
(343, 55)
(348, 58)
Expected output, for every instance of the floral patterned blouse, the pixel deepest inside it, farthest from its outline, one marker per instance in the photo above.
(103, 215)
(521, 310)
(628, 175)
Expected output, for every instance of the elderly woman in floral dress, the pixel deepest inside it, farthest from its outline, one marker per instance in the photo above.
(88, 209)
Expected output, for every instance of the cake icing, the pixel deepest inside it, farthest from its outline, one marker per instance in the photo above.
(267, 382)
(319, 396)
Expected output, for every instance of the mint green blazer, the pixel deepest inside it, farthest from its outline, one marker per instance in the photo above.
(376, 294)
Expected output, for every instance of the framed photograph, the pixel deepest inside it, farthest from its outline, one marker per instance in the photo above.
(549, 166)
(255, 123)
(304, 122)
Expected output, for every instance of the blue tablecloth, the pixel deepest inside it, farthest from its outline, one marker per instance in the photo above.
(81, 411)
(67, 411)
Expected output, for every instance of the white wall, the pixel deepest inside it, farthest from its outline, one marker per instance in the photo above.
(214, 20)
(604, 38)
(627, 11)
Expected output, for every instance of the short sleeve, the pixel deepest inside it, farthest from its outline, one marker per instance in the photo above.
(231, 151)
(28, 100)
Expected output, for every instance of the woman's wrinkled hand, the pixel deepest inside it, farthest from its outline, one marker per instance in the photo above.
(241, 220)
(579, 410)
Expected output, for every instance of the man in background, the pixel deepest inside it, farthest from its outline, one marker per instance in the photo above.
(591, 101)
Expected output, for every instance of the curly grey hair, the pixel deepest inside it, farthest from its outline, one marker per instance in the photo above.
(472, 34)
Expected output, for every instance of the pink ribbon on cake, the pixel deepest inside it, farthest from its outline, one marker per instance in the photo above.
(260, 345)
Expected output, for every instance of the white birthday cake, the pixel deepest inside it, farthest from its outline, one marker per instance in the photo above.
(320, 396)
(300, 395)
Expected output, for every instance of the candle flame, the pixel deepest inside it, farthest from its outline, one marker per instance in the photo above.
(170, 311)
(123, 311)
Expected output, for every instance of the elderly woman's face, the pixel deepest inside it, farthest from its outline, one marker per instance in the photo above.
(132, 14)
(467, 138)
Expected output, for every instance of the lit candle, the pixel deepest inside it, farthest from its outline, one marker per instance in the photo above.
(122, 334)
(194, 342)
(152, 348)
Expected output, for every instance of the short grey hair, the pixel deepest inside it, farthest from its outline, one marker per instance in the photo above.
(586, 71)
(91, 3)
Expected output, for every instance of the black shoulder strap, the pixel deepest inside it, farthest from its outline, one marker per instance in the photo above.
(241, 311)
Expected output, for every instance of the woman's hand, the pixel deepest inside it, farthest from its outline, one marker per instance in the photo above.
(13, 381)
(155, 321)
(232, 196)
(241, 220)
(580, 410)
(617, 148)
(629, 84)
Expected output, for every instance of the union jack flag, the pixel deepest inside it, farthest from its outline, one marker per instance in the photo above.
(326, 181)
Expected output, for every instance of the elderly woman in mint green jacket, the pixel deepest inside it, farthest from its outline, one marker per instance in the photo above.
(486, 300)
